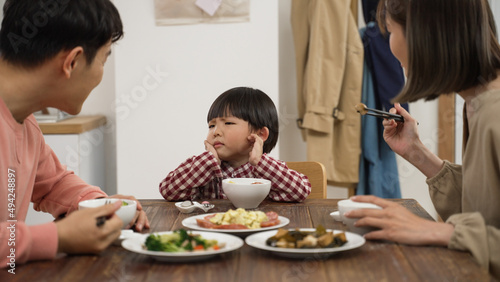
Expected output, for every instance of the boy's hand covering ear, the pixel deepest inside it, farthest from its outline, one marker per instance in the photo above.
(257, 149)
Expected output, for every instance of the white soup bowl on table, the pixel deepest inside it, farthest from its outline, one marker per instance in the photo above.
(246, 193)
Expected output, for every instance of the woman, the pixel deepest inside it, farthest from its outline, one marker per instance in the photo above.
(446, 46)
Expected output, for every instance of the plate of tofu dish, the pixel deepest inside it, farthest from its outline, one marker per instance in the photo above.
(305, 242)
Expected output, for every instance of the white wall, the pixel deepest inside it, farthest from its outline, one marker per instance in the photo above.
(495, 7)
(161, 120)
(161, 127)
(156, 130)
(101, 102)
(293, 148)
(412, 181)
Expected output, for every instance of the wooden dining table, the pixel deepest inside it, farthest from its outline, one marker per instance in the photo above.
(373, 261)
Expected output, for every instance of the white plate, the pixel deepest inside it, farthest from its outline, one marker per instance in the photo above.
(125, 234)
(190, 222)
(135, 244)
(258, 240)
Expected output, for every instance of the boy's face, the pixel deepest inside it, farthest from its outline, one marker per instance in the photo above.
(229, 136)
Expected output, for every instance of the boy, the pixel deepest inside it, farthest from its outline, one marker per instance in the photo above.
(242, 128)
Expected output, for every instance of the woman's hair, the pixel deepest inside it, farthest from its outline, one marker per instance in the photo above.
(34, 31)
(452, 45)
(251, 105)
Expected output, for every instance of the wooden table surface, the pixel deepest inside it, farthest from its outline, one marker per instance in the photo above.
(374, 261)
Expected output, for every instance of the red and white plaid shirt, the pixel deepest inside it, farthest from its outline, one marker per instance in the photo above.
(201, 177)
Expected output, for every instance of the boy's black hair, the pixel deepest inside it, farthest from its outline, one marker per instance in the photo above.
(251, 105)
(34, 31)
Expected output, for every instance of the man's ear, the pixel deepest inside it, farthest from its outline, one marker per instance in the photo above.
(71, 60)
(263, 133)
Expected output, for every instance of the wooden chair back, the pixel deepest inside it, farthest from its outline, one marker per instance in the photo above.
(316, 173)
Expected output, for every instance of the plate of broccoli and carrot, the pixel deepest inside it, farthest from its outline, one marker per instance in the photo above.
(182, 246)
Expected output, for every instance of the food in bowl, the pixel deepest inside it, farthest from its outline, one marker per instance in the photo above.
(256, 182)
(126, 212)
(296, 239)
(239, 219)
(246, 193)
(180, 241)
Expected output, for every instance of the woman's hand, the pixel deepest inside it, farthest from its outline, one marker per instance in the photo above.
(140, 220)
(398, 224)
(78, 233)
(404, 140)
(401, 137)
(257, 149)
(209, 147)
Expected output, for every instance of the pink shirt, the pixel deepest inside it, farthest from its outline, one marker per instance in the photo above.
(30, 171)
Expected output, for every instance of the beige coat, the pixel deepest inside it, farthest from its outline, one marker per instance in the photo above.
(468, 196)
(329, 61)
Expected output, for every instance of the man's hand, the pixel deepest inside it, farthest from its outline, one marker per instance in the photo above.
(140, 220)
(78, 233)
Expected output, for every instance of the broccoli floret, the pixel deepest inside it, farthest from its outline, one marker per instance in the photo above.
(178, 241)
(172, 237)
(153, 243)
(183, 235)
(171, 247)
(162, 243)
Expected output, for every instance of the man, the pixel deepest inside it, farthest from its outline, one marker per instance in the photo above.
(52, 54)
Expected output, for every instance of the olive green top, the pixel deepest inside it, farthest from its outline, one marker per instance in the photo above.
(468, 195)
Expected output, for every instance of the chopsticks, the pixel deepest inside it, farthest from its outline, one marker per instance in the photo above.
(363, 110)
(102, 219)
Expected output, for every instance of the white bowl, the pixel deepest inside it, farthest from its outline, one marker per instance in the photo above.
(246, 193)
(126, 212)
(349, 205)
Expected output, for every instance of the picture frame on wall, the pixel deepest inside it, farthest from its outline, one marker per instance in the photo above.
(181, 12)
